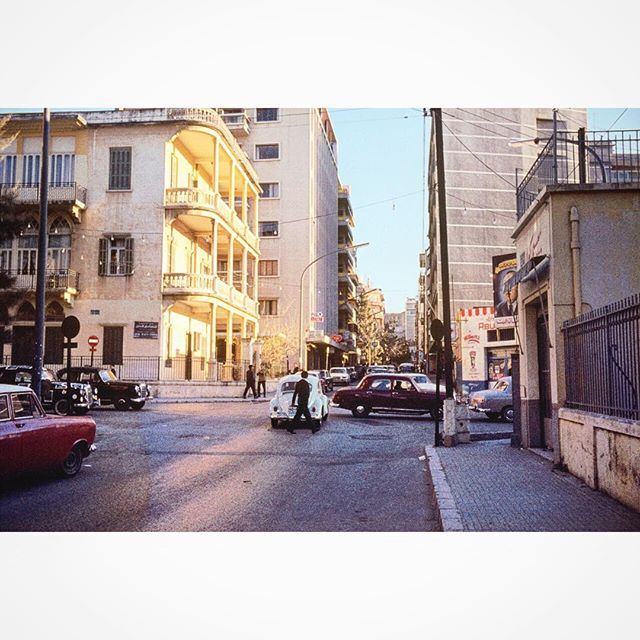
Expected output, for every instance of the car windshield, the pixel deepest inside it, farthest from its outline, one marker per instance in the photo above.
(338, 370)
(421, 379)
(107, 375)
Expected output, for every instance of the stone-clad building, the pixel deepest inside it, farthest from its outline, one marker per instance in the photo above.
(153, 240)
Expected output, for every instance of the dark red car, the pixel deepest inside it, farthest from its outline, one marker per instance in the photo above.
(387, 393)
(31, 440)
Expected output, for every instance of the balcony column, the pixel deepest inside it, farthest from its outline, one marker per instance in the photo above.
(255, 212)
(254, 293)
(243, 340)
(214, 248)
(229, 342)
(216, 165)
(230, 262)
(245, 268)
(212, 332)
(232, 187)
(244, 202)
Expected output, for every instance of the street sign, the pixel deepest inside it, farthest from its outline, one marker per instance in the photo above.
(70, 327)
(145, 330)
(437, 329)
(93, 341)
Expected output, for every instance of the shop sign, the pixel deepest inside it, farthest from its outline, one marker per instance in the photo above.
(145, 330)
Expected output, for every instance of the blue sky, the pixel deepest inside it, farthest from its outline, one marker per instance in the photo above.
(380, 157)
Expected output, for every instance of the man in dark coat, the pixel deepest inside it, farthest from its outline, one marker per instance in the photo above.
(302, 391)
(250, 382)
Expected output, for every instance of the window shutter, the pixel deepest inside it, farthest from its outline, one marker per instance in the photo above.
(102, 257)
(128, 256)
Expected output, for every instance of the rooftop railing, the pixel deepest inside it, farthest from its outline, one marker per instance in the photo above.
(582, 157)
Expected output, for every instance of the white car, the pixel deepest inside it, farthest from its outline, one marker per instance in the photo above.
(340, 375)
(281, 410)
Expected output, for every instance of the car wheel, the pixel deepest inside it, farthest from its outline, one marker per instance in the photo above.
(492, 415)
(436, 413)
(121, 404)
(507, 414)
(361, 410)
(136, 406)
(60, 407)
(73, 462)
(274, 423)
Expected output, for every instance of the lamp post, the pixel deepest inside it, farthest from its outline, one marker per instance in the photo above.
(302, 349)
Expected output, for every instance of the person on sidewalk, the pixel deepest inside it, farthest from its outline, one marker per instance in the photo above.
(262, 382)
(250, 379)
(301, 392)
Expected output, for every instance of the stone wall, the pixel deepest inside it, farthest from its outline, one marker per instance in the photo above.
(604, 452)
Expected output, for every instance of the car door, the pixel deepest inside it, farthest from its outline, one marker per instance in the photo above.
(37, 435)
(405, 395)
(10, 440)
(379, 393)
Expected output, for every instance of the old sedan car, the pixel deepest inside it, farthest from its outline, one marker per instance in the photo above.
(325, 379)
(340, 375)
(54, 392)
(387, 393)
(108, 389)
(32, 441)
(281, 409)
(496, 402)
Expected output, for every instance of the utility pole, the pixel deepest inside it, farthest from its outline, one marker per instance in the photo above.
(38, 356)
(449, 405)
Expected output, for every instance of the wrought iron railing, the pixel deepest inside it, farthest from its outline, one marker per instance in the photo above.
(591, 157)
(602, 360)
(29, 192)
(55, 279)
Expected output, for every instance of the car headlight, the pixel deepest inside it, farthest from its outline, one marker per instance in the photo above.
(137, 388)
(479, 400)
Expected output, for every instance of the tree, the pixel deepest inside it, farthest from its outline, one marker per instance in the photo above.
(396, 349)
(12, 220)
(370, 331)
(275, 350)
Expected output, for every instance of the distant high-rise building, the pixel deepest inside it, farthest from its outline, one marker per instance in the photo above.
(410, 309)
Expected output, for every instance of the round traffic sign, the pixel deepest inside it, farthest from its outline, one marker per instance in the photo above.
(70, 327)
(437, 329)
(93, 341)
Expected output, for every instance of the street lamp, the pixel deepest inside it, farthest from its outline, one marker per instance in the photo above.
(301, 346)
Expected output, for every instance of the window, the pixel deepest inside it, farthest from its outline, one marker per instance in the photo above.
(267, 152)
(115, 256)
(268, 229)
(62, 169)
(268, 307)
(266, 115)
(8, 169)
(59, 245)
(112, 345)
(403, 385)
(24, 406)
(268, 268)
(28, 249)
(5, 254)
(31, 170)
(270, 190)
(4, 408)
(382, 384)
(119, 168)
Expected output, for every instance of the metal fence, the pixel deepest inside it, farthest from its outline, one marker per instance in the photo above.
(582, 157)
(602, 360)
(155, 368)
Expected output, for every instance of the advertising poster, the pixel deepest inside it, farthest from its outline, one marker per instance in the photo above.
(503, 267)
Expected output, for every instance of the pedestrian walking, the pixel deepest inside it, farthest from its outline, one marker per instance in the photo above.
(250, 379)
(262, 382)
(301, 392)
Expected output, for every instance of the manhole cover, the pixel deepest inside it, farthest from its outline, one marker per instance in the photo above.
(371, 436)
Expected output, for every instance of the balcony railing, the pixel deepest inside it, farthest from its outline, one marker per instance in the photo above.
(593, 157)
(237, 121)
(55, 279)
(59, 192)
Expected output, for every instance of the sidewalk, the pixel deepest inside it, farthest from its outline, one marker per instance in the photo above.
(491, 486)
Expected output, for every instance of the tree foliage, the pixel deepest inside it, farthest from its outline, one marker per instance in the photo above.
(275, 349)
(396, 349)
(370, 330)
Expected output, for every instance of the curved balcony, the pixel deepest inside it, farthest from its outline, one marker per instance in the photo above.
(210, 286)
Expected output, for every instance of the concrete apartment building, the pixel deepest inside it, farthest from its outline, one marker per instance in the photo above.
(484, 149)
(153, 240)
(410, 317)
(294, 152)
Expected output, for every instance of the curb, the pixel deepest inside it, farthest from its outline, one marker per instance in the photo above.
(207, 400)
(448, 515)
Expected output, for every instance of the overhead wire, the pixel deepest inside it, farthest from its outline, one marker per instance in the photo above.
(618, 118)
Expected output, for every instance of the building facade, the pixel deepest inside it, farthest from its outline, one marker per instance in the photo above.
(153, 240)
(294, 152)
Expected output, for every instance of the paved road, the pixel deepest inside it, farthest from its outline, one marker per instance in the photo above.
(220, 467)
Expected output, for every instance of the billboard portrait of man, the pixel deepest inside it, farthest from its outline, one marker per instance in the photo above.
(504, 267)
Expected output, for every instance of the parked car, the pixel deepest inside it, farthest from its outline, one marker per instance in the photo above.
(31, 440)
(340, 375)
(407, 367)
(496, 402)
(426, 383)
(281, 409)
(325, 379)
(54, 392)
(108, 389)
(387, 393)
(376, 368)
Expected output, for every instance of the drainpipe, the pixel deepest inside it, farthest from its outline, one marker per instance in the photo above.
(574, 218)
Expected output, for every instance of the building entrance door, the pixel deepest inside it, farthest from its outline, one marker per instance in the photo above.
(544, 379)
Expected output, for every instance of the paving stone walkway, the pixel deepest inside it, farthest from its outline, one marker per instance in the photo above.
(497, 487)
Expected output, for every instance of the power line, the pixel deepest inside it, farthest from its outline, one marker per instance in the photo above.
(477, 126)
(480, 160)
(473, 204)
(618, 118)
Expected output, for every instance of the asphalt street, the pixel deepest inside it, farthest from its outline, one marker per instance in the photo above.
(220, 467)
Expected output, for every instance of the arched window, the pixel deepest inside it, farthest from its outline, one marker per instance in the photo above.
(54, 312)
(59, 254)
(28, 248)
(26, 313)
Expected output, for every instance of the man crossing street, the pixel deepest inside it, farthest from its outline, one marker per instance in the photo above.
(250, 382)
(302, 391)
